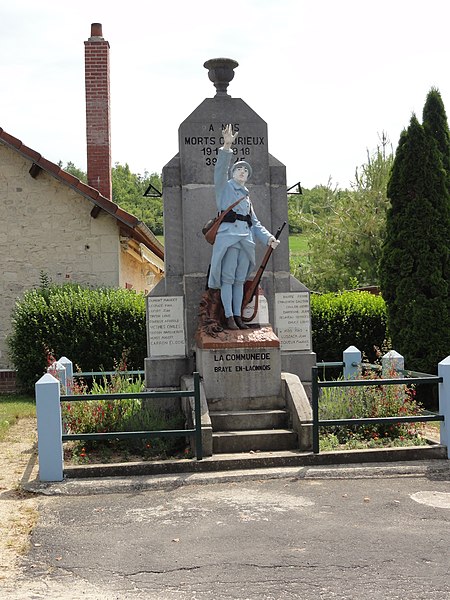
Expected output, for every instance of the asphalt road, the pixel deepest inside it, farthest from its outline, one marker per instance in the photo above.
(376, 538)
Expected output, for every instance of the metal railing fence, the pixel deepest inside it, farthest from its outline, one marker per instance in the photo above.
(121, 435)
(49, 421)
(422, 378)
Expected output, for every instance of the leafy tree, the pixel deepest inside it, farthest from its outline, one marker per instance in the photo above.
(128, 192)
(294, 213)
(73, 170)
(304, 209)
(347, 228)
(415, 265)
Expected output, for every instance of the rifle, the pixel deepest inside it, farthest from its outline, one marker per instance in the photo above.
(251, 287)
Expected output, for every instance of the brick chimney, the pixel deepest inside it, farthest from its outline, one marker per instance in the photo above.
(98, 117)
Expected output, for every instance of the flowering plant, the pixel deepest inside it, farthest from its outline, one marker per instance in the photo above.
(132, 414)
(371, 401)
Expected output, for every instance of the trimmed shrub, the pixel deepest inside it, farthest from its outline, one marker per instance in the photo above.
(347, 319)
(92, 327)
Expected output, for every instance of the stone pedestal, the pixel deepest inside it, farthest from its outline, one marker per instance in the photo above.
(189, 201)
(240, 364)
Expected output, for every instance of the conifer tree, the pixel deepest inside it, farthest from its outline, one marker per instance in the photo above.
(436, 124)
(414, 268)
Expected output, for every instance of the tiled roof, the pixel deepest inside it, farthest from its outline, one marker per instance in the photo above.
(129, 223)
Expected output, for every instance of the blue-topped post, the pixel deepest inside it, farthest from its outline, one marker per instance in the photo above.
(444, 401)
(391, 363)
(49, 427)
(58, 370)
(352, 362)
(68, 368)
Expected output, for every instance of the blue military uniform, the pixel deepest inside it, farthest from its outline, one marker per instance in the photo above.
(238, 236)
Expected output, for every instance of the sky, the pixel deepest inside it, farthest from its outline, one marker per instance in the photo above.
(328, 76)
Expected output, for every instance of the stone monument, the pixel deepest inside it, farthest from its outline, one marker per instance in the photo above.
(239, 364)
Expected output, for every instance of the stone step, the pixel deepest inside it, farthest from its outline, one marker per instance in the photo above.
(233, 420)
(260, 439)
(257, 403)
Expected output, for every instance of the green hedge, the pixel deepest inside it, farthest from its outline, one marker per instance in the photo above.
(347, 319)
(91, 327)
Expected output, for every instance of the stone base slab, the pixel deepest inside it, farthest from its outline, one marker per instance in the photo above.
(166, 372)
(240, 364)
(300, 363)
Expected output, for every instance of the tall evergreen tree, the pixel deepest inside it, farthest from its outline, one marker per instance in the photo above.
(414, 268)
(436, 124)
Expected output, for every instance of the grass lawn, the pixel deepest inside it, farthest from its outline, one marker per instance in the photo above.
(298, 243)
(12, 408)
(298, 251)
(298, 247)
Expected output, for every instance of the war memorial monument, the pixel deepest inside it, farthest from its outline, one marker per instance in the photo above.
(253, 378)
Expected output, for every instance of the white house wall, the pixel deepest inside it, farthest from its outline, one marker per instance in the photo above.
(46, 226)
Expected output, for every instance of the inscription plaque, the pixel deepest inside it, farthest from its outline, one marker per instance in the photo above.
(240, 373)
(166, 326)
(292, 320)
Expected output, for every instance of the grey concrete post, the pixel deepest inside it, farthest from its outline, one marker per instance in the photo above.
(444, 402)
(48, 412)
(392, 361)
(352, 361)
